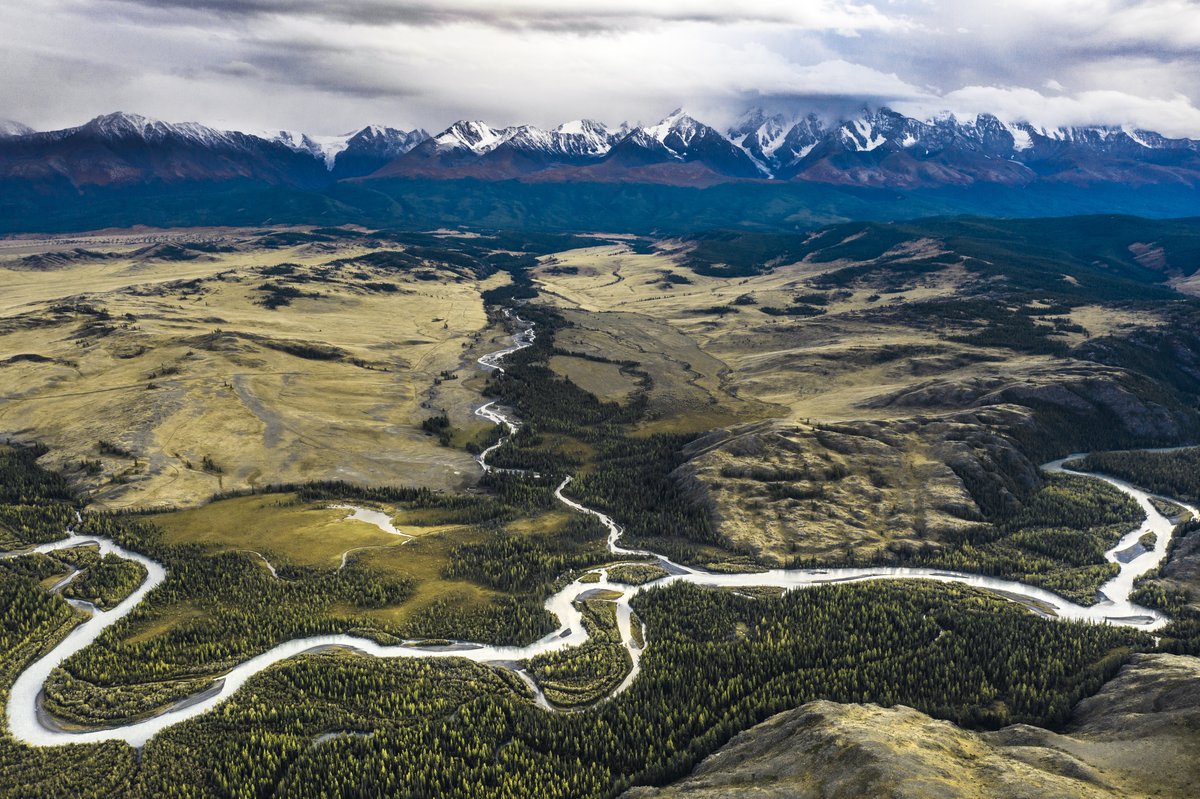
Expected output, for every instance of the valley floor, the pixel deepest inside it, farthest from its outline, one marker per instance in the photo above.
(872, 399)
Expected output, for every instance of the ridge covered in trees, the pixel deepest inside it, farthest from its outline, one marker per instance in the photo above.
(1174, 473)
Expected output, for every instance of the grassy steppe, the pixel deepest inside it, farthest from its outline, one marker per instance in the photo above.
(173, 358)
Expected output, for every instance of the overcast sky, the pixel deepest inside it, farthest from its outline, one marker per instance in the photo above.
(329, 66)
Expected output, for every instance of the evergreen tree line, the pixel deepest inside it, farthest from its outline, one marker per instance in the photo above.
(25, 483)
(1182, 603)
(1172, 474)
(531, 564)
(1057, 541)
(582, 675)
(628, 476)
(718, 663)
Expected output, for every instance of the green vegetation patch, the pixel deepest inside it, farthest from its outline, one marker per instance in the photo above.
(636, 573)
(717, 664)
(220, 605)
(35, 504)
(582, 675)
(1175, 473)
(1171, 510)
(284, 529)
(616, 471)
(527, 563)
(103, 580)
(1058, 541)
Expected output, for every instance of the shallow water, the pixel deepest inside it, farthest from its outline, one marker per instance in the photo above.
(376, 517)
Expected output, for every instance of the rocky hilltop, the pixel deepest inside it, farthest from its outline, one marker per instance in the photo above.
(1135, 738)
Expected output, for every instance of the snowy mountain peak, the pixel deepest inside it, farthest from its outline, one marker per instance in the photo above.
(764, 136)
(377, 141)
(10, 128)
(863, 134)
(677, 125)
(395, 136)
(583, 127)
(121, 125)
(988, 122)
(751, 120)
(476, 136)
(680, 137)
(760, 126)
(324, 148)
(385, 140)
(579, 139)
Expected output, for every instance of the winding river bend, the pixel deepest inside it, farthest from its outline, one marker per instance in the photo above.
(29, 723)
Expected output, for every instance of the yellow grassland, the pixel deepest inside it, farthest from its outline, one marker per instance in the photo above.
(188, 372)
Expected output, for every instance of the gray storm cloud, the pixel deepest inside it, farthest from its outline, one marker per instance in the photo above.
(846, 17)
(333, 66)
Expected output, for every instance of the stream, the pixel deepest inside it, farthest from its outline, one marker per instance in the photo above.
(28, 722)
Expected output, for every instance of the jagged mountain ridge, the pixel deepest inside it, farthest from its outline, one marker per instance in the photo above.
(883, 148)
(876, 148)
(879, 148)
(126, 149)
(475, 149)
(352, 154)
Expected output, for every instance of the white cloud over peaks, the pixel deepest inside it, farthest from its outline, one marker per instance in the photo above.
(1173, 116)
(840, 78)
(543, 76)
(330, 65)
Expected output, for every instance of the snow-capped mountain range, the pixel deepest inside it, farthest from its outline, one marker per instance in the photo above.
(875, 148)
(884, 148)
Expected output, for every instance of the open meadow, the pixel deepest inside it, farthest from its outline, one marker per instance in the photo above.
(162, 373)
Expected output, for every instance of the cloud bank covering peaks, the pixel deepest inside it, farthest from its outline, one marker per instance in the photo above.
(328, 66)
